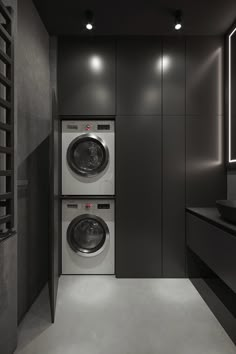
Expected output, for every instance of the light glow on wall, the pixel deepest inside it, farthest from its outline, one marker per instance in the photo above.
(96, 64)
(164, 63)
(229, 117)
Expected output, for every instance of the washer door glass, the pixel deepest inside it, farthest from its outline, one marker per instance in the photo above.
(87, 155)
(87, 235)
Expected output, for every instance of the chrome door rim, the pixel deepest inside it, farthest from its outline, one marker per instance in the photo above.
(87, 137)
(75, 222)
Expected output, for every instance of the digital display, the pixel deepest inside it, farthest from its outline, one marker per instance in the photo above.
(70, 126)
(103, 206)
(72, 206)
(103, 127)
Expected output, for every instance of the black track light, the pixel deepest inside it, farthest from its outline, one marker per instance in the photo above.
(89, 20)
(178, 20)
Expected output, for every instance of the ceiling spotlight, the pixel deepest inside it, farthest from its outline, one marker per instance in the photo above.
(89, 20)
(89, 26)
(178, 20)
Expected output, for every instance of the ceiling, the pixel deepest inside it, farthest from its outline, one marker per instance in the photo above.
(150, 17)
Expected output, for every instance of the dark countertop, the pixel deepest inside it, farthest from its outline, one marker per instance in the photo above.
(213, 216)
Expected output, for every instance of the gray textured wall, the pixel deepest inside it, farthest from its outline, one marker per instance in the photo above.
(34, 111)
(8, 265)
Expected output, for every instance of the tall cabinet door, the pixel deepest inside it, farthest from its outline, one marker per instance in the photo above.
(138, 196)
(173, 208)
(86, 76)
(138, 158)
(139, 76)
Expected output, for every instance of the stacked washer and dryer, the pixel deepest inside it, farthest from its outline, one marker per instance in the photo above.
(88, 185)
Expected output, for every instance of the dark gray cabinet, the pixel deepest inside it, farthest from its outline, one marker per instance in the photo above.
(174, 196)
(173, 66)
(214, 246)
(204, 76)
(86, 76)
(138, 201)
(8, 295)
(139, 75)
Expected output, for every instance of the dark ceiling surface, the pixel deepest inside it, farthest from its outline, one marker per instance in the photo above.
(150, 17)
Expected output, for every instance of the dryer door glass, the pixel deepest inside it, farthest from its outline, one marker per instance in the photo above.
(87, 235)
(87, 155)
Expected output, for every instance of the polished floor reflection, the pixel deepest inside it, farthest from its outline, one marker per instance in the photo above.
(105, 315)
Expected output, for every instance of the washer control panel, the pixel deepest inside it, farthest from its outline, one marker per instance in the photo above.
(102, 207)
(89, 206)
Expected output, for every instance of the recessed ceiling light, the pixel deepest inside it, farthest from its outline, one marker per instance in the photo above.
(178, 20)
(89, 20)
(178, 26)
(89, 26)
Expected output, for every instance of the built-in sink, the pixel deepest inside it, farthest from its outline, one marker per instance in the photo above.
(227, 209)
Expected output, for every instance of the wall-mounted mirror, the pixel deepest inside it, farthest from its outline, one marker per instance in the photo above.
(231, 97)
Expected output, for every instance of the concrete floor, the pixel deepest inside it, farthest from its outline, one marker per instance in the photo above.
(104, 315)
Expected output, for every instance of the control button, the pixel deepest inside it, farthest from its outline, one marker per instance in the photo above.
(88, 206)
(88, 127)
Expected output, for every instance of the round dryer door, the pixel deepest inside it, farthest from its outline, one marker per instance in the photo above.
(88, 235)
(88, 155)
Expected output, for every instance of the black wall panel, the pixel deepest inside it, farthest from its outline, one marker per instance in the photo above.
(205, 171)
(231, 185)
(139, 73)
(173, 63)
(174, 196)
(8, 293)
(8, 248)
(55, 220)
(138, 196)
(233, 72)
(204, 76)
(38, 219)
(86, 72)
(233, 92)
(55, 186)
(34, 114)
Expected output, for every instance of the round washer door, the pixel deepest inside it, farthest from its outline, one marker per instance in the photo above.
(88, 235)
(88, 155)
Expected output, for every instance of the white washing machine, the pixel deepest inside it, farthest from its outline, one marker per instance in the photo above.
(88, 237)
(88, 158)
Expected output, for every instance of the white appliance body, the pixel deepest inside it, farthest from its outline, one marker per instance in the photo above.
(88, 158)
(88, 236)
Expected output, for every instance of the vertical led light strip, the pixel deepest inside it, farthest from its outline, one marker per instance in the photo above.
(229, 118)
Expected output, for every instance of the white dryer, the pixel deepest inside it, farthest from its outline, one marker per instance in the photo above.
(88, 158)
(88, 237)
